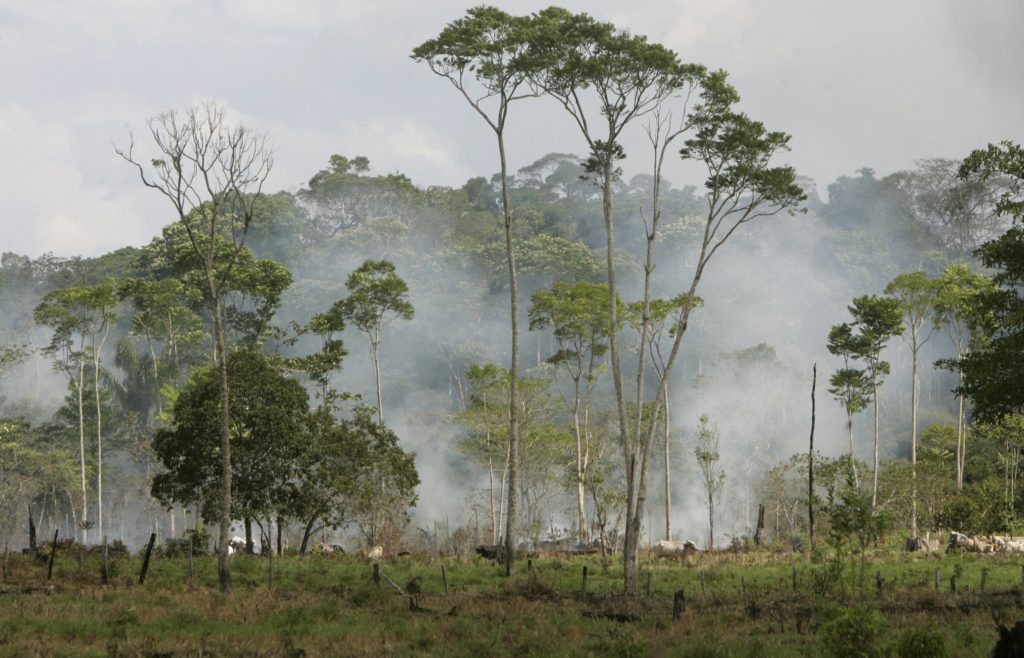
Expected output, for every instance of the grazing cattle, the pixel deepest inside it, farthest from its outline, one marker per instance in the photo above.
(488, 551)
(236, 544)
(665, 548)
(961, 542)
(324, 548)
(375, 552)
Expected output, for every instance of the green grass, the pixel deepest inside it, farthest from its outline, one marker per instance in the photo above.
(331, 606)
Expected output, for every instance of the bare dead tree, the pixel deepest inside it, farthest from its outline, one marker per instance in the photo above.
(213, 174)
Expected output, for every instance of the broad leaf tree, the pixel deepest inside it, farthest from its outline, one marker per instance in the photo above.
(269, 431)
(992, 372)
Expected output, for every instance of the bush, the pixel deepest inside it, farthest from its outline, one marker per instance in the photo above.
(924, 642)
(853, 632)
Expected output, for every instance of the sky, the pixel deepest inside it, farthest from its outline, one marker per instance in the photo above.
(876, 83)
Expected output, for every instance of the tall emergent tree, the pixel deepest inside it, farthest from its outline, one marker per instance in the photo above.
(992, 373)
(377, 296)
(877, 319)
(628, 77)
(213, 174)
(849, 385)
(483, 56)
(916, 292)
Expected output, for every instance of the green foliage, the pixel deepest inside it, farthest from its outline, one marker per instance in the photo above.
(345, 197)
(991, 372)
(578, 316)
(854, 522)
(854, 632)
(922, 642)
(980, 510)
(268, 430)
(377, 295)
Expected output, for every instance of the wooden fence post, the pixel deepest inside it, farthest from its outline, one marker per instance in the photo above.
(878, 583)
(444, 578)
(145, 560)
(984, 577)
(702, 583)
(53, 554)
(678, 605)
(743, 586)
(937, 580)
(650, 589)
(270, 563)
(190, 557)
(376, 574)
(794, 579)
(584, 581)
(105, 572)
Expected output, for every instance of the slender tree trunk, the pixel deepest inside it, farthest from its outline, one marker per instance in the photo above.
(375, 355)
(81, 449)
(961, 440)
(490, 477)
(668, 479)
(513, 390)
(633, 511)
(502, 497)
(810, 462)
(223, 567)
(99, 427)
(307, 531)
(874, 483)
(156, 375)
(581, 507)
(711, 519)
(853, 460)
(913, 436)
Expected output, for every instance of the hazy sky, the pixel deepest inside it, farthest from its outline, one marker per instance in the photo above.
(872, 83)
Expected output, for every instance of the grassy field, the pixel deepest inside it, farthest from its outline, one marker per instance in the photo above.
(736, 604)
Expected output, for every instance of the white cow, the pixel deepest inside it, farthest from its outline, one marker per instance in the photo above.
(236, 544)
(666, 548)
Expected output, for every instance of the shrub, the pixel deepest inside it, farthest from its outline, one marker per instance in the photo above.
(924, 642)
(854, 632)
